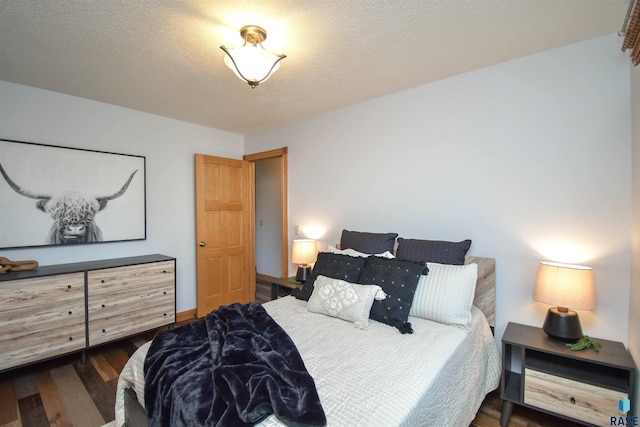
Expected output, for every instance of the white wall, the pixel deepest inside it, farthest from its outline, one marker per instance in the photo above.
(528, 158)
(634, 299)
(34, 115)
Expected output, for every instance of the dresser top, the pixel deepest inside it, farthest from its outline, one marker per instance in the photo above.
(77, 267)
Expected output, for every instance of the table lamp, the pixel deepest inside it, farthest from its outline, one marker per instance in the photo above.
(303, 253)
(565, 285)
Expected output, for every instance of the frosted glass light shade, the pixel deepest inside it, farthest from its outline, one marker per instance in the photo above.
(253, 63)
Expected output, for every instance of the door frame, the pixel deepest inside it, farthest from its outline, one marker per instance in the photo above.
(282, 153)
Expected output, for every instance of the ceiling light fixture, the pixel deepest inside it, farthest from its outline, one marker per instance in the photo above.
(252, 62)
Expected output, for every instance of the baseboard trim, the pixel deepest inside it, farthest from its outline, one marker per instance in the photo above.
(186, 315)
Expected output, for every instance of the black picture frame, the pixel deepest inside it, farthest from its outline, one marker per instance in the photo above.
(52, 195)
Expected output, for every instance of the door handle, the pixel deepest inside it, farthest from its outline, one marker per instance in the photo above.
(202, 244)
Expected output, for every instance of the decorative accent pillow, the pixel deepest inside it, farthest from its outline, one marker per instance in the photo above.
(344, 300)
(335, 266)
(398, 279)
(368, 243)
(446, 294)
(353, 252)
(437, 251)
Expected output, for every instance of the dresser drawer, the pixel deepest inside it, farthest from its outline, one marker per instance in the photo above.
(134, 276)
(127, 299)
(113, 322)
(573, 399)
(64, 334)
(29, 293)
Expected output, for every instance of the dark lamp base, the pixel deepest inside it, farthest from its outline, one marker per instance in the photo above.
(562, 326)
(303, 273)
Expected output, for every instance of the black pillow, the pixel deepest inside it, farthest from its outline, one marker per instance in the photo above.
(335, 266)
(432, 251)
(368, 243)
(399, 280)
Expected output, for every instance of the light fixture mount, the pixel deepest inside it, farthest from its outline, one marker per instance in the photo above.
(251, 62)
(253, 34)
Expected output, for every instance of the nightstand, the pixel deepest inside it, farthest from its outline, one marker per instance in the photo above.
(582, 386)
(279, 287)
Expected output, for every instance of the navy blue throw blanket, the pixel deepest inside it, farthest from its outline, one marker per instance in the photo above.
(232, 368)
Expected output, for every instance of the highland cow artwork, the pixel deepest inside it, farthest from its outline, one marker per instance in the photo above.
(51, 195)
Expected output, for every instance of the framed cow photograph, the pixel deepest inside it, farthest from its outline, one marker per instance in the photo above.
(52, 195)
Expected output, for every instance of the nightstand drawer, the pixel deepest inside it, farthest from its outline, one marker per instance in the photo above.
(573, 399)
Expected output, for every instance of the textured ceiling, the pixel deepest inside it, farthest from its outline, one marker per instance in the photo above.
(163, 56)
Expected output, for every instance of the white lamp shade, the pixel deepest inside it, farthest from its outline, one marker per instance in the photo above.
(304, 251)
(566, 285)
(253, 62)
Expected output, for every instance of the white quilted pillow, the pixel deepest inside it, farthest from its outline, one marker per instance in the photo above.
(446, 294)
(344, 300)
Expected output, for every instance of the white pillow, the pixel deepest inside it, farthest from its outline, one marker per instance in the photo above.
(344, 300)
(353, 252)
(446, 294)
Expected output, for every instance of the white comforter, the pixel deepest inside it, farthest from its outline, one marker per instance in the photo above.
(437, 376)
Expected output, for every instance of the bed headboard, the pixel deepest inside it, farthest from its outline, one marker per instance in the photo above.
(485, 298)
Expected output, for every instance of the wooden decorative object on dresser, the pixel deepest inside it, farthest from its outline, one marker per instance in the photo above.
(59, 309)
(582, 386)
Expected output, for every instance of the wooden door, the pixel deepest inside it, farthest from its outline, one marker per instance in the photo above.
(224, 232)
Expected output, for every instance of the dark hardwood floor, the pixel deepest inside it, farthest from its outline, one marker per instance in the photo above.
(64, 392)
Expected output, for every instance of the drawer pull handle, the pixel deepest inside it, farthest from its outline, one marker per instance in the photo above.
(103, 306)
(165, 292)
(68, 286)
(70, 338)
(70, 312)
(104, 330)
(102, 281)
(164, 271)
(573, 400)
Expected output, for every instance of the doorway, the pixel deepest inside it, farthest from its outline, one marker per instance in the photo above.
(271, 212)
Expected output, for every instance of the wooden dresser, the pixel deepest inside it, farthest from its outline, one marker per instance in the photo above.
(58, 309)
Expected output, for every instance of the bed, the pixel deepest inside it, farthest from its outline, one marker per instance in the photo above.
(372, 374)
